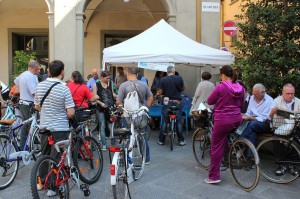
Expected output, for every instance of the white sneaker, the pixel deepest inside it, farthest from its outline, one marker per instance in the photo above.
(51, 193)
(39, 187)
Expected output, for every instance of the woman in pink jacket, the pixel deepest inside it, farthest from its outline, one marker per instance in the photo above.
(228, 98)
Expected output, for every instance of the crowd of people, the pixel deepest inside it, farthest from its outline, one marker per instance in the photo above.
(231, 102)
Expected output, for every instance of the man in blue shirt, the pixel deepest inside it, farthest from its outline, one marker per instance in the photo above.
(257, 114)
(93, 80)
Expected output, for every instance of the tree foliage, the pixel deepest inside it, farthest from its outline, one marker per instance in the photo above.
(20, 63)
(268, 47)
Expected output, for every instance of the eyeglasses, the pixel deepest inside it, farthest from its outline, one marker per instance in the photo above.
(289, 93)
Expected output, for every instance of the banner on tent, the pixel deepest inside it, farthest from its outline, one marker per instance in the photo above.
(155, 65)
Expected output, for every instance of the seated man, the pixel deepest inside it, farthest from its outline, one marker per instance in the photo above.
(286, 101)
(257, 114)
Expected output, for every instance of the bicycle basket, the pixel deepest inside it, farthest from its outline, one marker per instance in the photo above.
(283, 126)
(140, 121)
(201, 118)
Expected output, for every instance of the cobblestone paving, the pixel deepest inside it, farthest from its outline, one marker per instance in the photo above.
(170, 175)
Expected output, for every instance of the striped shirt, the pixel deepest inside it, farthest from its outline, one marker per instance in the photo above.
(53, 114)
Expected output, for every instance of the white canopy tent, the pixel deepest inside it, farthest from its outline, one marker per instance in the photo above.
(162, 43)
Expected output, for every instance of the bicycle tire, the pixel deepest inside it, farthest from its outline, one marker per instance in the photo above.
(121, 188)
(171, 134)
(62, 191)
(139, 156)
(270, 160)
(201, 147)
(244, 169)
(8, 170)
(35, 144)
(89, 169)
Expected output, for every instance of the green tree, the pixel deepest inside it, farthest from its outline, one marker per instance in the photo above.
(268, 47)
(20, 63)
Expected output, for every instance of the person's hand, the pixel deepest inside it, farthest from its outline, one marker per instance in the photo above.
(245, 117)
(103, 105)
(273, 111)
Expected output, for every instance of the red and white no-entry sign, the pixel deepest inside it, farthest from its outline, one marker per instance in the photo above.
(230, 28)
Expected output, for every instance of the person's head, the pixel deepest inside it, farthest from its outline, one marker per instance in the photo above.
(258, 91)
(131, 71)
(206, 76)
(34, 67)
(171, 70)
(89, 76)
(120, 70)
(77, 77)
(105, 76)
(288, 93)
(56, 69)
(95, 74)
(226, 72)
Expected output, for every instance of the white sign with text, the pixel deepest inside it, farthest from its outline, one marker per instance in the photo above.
(210, 7)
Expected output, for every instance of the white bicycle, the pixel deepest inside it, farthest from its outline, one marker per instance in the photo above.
(128, 161)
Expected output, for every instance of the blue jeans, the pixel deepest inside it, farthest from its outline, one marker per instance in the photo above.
(166, 118)
(102, 124)
(253, 128)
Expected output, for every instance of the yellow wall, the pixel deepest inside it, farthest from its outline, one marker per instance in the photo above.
(229, 9)
(32, 15)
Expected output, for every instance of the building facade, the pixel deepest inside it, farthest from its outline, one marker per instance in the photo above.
(77, 31)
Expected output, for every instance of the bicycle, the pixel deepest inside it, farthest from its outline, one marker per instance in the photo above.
(11, 154)
(243, 169)
(48, 174)
(281, 149)
(88, 163)
(128, 161)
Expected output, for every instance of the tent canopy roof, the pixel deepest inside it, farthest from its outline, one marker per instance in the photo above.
(163, 43)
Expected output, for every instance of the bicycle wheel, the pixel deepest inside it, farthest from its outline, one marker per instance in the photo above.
(172, 133)
(276, 151)
(244, 168)
(42, 179)
(121, 188)
(35, 144)
(88, 159)
(139, 156)
(201, 147)
(8, 169)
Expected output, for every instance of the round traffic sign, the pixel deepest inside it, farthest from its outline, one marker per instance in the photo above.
(230, 28)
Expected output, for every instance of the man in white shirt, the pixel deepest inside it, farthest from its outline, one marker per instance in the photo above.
(26, 84)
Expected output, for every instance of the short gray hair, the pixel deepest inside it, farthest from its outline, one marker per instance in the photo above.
(33, 64)
(170, 69)
(260, 87)
(133, 70)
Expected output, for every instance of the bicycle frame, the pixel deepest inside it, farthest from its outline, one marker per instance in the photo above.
(24, 154)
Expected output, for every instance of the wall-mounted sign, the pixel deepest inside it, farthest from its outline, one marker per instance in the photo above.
(210, 7)
(155, 66)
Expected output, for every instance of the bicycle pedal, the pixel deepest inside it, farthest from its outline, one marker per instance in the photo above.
(85, 189)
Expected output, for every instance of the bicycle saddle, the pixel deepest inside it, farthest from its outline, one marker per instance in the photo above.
(173, 108)
(123, 132)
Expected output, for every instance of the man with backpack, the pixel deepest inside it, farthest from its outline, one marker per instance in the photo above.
(144, 94)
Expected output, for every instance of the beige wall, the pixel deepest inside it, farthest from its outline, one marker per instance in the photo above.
(31, 15)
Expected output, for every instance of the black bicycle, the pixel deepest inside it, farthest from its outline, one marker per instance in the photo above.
(243, 168)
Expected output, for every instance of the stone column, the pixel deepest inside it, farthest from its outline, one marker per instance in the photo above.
(51, 36)
(68, 36)
(80, 42)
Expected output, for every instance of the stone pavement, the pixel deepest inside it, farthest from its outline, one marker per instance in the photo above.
(170, 175)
